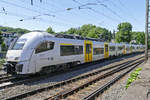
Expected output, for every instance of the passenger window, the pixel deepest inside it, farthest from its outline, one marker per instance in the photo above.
(112, 48)
(106, 47)
(120, 48)
(88, 48)
(98, 51)
(45, 46)
(71, 50)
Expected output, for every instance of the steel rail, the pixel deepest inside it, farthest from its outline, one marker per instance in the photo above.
(20, 96)
(1, 75)
(21, 81)
(65, 93)
(100, 90)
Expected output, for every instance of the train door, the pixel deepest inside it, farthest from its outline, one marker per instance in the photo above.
(88, 49)
(106, 51)
(124, 49)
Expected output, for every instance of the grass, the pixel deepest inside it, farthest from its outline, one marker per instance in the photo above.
(1, 63)
(133, 77)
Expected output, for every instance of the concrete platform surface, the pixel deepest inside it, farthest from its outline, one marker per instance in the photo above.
(139, 89)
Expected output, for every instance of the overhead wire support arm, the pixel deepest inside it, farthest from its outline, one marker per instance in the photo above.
(32, 2)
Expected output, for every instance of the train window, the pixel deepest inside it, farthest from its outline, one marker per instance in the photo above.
(106, 47)
(88, 48)
(98, 51)
(45, 46)
(78, 49)
(112, 48)
(50, 45)
(18, 44)
(71, 50)
(120, 48)
(124, 47)
(127, 48)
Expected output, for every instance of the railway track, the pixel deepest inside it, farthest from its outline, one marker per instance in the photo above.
(14, 81)
(93, 95)
(7, 81)
(83, 86)
(64, 84)
(3, 75)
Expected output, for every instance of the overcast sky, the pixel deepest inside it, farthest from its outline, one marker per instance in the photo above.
(104, 13)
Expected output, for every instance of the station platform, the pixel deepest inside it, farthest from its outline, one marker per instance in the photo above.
(140, 88)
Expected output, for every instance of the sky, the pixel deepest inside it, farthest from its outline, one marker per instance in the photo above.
(64, 14)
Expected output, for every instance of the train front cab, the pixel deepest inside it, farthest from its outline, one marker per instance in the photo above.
(88, 51)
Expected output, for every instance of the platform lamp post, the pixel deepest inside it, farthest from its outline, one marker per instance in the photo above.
(146, 30)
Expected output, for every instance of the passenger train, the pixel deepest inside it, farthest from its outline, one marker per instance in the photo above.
(38, 51)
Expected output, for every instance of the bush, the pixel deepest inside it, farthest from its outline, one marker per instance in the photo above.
(1, 62)
(133, 77)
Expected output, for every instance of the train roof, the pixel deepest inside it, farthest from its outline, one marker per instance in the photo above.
(36, 34)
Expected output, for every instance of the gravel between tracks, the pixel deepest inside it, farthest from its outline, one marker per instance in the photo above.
(2, 72)
(116, 91)
(84, 92)
(5, 93)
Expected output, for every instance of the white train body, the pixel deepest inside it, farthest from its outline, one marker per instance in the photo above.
(34, 51)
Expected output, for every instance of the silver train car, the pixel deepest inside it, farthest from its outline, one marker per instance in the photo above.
(40, 51)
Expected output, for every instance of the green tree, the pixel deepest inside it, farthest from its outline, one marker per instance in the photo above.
(139, 37)
(71, 31)
(101, 33)
(124, 33)
(50, 30)
(1, 38)
(13, 30)
(92, 31)
(84, 29)
(3, 46)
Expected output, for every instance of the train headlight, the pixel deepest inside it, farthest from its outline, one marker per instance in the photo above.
(19, 67)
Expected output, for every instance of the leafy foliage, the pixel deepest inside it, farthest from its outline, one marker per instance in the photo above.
(133, 77)
(4, 48)
(124, 33)
(1, 38)
(13, 30)
(92, 31)
(50, 30)
(139, 37)
(71, 31)
(2, 61)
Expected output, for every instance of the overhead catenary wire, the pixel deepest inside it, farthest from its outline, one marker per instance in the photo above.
(72, 8)
(127, 9)
(89, 6)
(23, 17)
(121, 10)
(98, 12)
(29, 9)
(112, 11)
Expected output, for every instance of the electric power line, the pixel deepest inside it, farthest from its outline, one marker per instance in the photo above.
(98, 12)
(112, 11)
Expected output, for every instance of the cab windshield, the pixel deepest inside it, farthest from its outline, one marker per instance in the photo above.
(18, 45)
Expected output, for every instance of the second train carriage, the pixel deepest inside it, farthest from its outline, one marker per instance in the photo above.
(36, 51)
